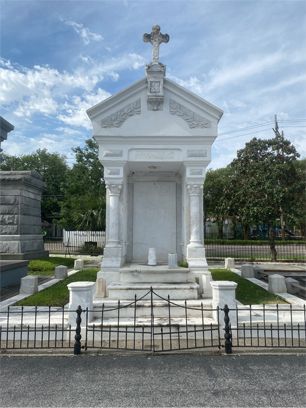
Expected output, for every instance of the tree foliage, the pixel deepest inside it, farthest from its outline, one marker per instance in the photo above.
(83, 207)
(53, 169)
(265, 183)
(216, 196)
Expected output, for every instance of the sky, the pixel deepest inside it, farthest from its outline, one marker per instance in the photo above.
(59, 58)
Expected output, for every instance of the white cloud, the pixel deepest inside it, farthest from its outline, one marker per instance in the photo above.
(48, 91)
(75, 112)
(242, 70)
(61, 142)
(85, 34)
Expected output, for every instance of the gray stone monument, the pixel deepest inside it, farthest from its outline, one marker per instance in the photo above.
(20, 215)
(5, 128)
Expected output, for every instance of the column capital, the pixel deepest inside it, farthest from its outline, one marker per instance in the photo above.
(114, 189)
(195, 189)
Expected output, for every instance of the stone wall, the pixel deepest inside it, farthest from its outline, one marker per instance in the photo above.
(20, 215)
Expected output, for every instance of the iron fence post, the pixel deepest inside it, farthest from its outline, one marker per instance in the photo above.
(152, 320)
(227, 331)
(77, 337)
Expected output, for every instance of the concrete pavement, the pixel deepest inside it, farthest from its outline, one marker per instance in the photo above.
(139, 380)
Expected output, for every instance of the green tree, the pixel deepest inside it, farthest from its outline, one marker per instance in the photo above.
(265, 183)
(216, 196)
(299, 216)
(83, 207)
(53, 169)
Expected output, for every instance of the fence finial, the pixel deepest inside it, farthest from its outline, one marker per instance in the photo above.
(227, 330)
(77, 337)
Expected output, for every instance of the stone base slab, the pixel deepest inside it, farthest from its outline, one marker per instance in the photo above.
(143, 308)
(25, 255)
(153, 274)
(12, 271)
(179, 291)
(14, 245)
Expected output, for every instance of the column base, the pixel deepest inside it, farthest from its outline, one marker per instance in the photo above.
(112, 257)
(196, 257)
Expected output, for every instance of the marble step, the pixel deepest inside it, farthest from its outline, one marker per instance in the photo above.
(142, 309)
(176, 291)
(158, 321)
(160, 274)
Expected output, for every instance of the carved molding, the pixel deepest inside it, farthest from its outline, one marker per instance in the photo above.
(153, 155)
(114, 189)
(155, 103)
(193, 119)
(112, 153)
(117, 118)
(195, 189)
(196, 153)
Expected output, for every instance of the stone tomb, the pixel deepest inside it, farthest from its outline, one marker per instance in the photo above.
(20, 220)
(155, 141)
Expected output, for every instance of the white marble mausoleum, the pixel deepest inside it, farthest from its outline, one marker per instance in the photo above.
(155, 141)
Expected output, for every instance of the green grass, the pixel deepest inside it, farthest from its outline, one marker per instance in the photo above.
(46, 266)
(58, 294)
(247, 292)
(183, 263)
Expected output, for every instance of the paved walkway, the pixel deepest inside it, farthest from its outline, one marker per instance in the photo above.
(185, 380)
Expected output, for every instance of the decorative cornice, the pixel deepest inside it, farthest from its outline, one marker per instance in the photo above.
(194, 120)
(114, 189)
(117, 118)
(195, 189)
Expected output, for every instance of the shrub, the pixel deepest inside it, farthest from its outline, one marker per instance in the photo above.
(47, 266)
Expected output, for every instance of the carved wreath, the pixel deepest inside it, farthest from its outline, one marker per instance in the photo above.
(117, 118)
(194, 120)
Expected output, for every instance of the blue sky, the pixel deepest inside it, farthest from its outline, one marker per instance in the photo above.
(58, 58)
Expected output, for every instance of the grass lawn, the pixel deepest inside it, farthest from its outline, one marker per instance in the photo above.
(58, 294)
(247, 292)
(46, 266)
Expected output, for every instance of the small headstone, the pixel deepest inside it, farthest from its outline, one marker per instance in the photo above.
(28, 285)
(205, 285)
(78, 264)
(247, 271)
(277, 284)
(229, 263)
(100, 285)
(152, 257)
(292, 285)
(258, 271)
(61, 272)
(172, 260)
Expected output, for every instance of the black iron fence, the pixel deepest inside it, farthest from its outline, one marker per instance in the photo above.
(93, 242)
(23, 327)
(257, 251)
(154, 324)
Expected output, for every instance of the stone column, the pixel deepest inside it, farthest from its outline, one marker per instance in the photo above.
(195, 192)
(195, 249)
(113, 259)
(114, 191)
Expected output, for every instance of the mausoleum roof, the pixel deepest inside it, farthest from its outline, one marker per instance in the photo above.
(127, 93)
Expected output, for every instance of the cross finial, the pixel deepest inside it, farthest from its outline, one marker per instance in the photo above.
(156, 38)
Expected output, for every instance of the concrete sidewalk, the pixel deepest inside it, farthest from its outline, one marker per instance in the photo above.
(185, 380)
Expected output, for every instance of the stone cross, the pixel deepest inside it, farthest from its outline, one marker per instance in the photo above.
(156, 38)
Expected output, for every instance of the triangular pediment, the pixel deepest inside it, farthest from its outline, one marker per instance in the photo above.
(181, 113)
